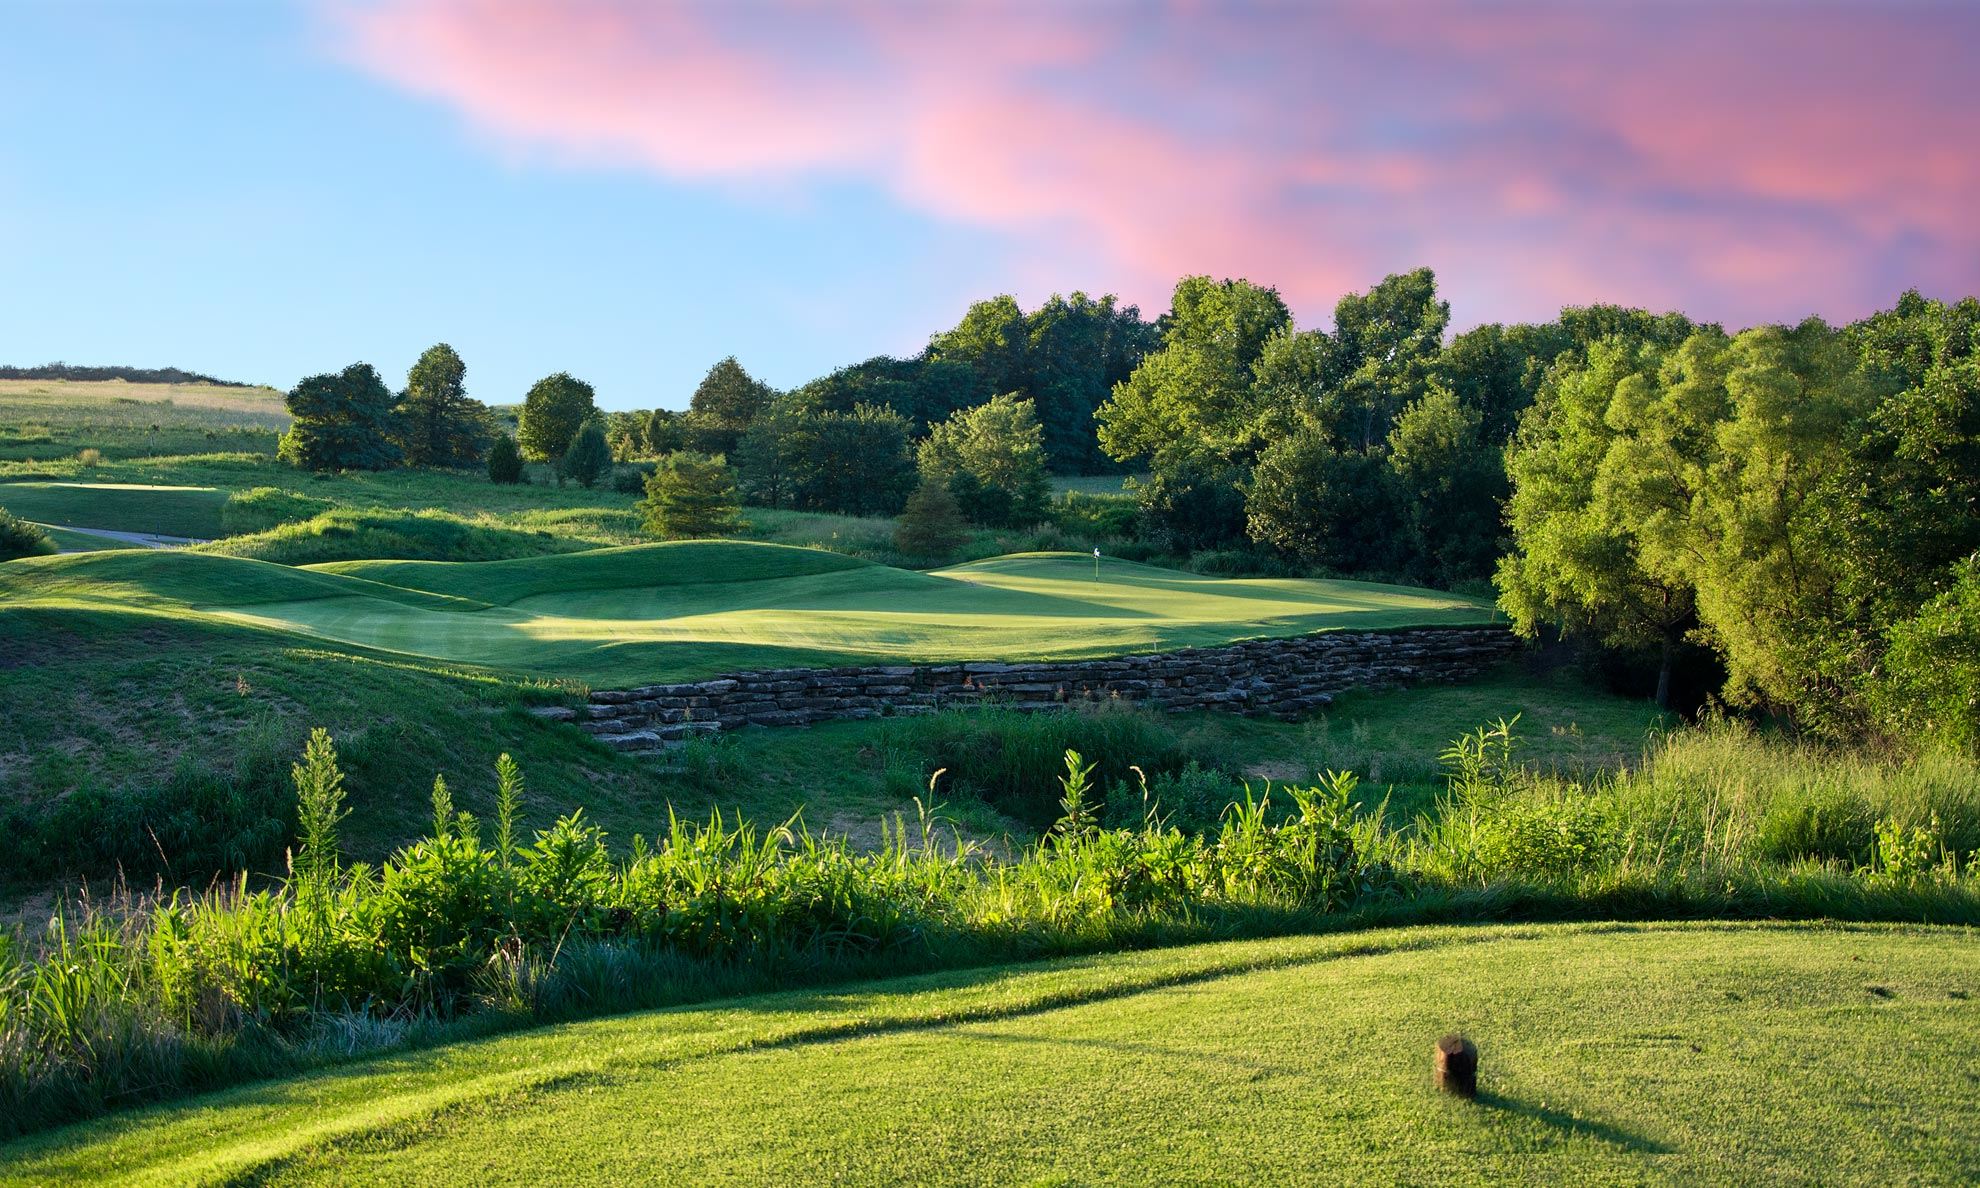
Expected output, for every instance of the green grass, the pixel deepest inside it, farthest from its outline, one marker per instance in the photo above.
(53, 420)
(120, 507)
(669, 611)
(1661, 1053)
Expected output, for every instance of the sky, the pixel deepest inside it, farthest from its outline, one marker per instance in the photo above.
(631, 191)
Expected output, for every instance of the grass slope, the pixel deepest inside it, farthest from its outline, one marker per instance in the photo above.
(656, 612)
(120, 507)
(52, 420)
(1660, 1053)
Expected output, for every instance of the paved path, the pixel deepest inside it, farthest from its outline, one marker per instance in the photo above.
(144, 540)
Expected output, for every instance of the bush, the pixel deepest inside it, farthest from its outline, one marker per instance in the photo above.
(18, 538)
(1097, 517)
(931, 526)
(262, 508)
(505, 462)
(588, 457)
(630, 478)
(691, 495)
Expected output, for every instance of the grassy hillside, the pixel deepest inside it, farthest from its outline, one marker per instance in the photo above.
(50, 420)
(1660, 1053)
(670, 611)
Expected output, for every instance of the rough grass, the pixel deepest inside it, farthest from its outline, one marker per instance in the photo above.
(352, 534)
(55, 420)
(1660, 1053)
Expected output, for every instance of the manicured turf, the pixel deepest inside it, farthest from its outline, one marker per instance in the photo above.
(1660, 1053)
(121, 507)
(656, 611)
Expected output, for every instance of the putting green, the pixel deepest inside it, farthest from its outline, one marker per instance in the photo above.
(651, 612)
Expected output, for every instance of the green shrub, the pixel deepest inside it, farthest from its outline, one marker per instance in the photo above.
(262, 508)
(1096, 516)
(505, 461)
(18, 538)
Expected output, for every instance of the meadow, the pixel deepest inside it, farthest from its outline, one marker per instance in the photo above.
(1649, 1053)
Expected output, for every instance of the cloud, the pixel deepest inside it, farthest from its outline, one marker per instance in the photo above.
(1744, 162)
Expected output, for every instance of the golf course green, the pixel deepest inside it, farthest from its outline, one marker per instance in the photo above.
(1694, 1053)
(652, 612)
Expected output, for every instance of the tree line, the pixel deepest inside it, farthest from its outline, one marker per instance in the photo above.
(1800, 502)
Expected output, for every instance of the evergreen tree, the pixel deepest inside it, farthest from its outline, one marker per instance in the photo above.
(931, 526)
(588, 457)
(341, 422)
(439, 423)
(505, 464)
(724, 404)
(553, 411)
(691, 495)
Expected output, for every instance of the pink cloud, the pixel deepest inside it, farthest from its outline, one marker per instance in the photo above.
(1744, 162)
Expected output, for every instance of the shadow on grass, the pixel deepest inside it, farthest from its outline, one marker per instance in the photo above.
(1569, 1125)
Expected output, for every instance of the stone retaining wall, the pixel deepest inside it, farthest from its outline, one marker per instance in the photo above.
(1284, 678)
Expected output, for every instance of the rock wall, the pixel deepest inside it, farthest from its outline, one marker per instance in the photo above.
(1285, 678)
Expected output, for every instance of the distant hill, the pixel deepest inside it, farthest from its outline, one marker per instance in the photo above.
(135, 375)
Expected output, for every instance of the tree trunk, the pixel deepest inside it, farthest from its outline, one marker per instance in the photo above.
(1664, 675)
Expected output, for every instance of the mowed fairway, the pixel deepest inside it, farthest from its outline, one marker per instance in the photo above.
(652, 612)
(1619, 1054)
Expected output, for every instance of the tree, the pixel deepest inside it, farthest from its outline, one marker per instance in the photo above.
(440, 425)
(662, 434)
(1328, 506)
(691, 495)
(997, 451)
(724, 404)
(1077, 349)
(992, 340)
(856, 463)
(341, 422)
(1196, 392)
(1576, 514)
(772, 452)
(505, 464)
(1448, 484)
(931, 526)
(1386, 344)
(1496, 371)
(556, 406)
(1193, 502)
(588, 457)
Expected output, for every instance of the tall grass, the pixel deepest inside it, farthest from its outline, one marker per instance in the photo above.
(111, 1005)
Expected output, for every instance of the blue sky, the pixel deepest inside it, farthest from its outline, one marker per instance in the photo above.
(630, 191)
(208, 187)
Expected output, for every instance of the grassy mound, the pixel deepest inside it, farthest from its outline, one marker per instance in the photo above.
(1609, 1054)
(351, 534)
(120, 507)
